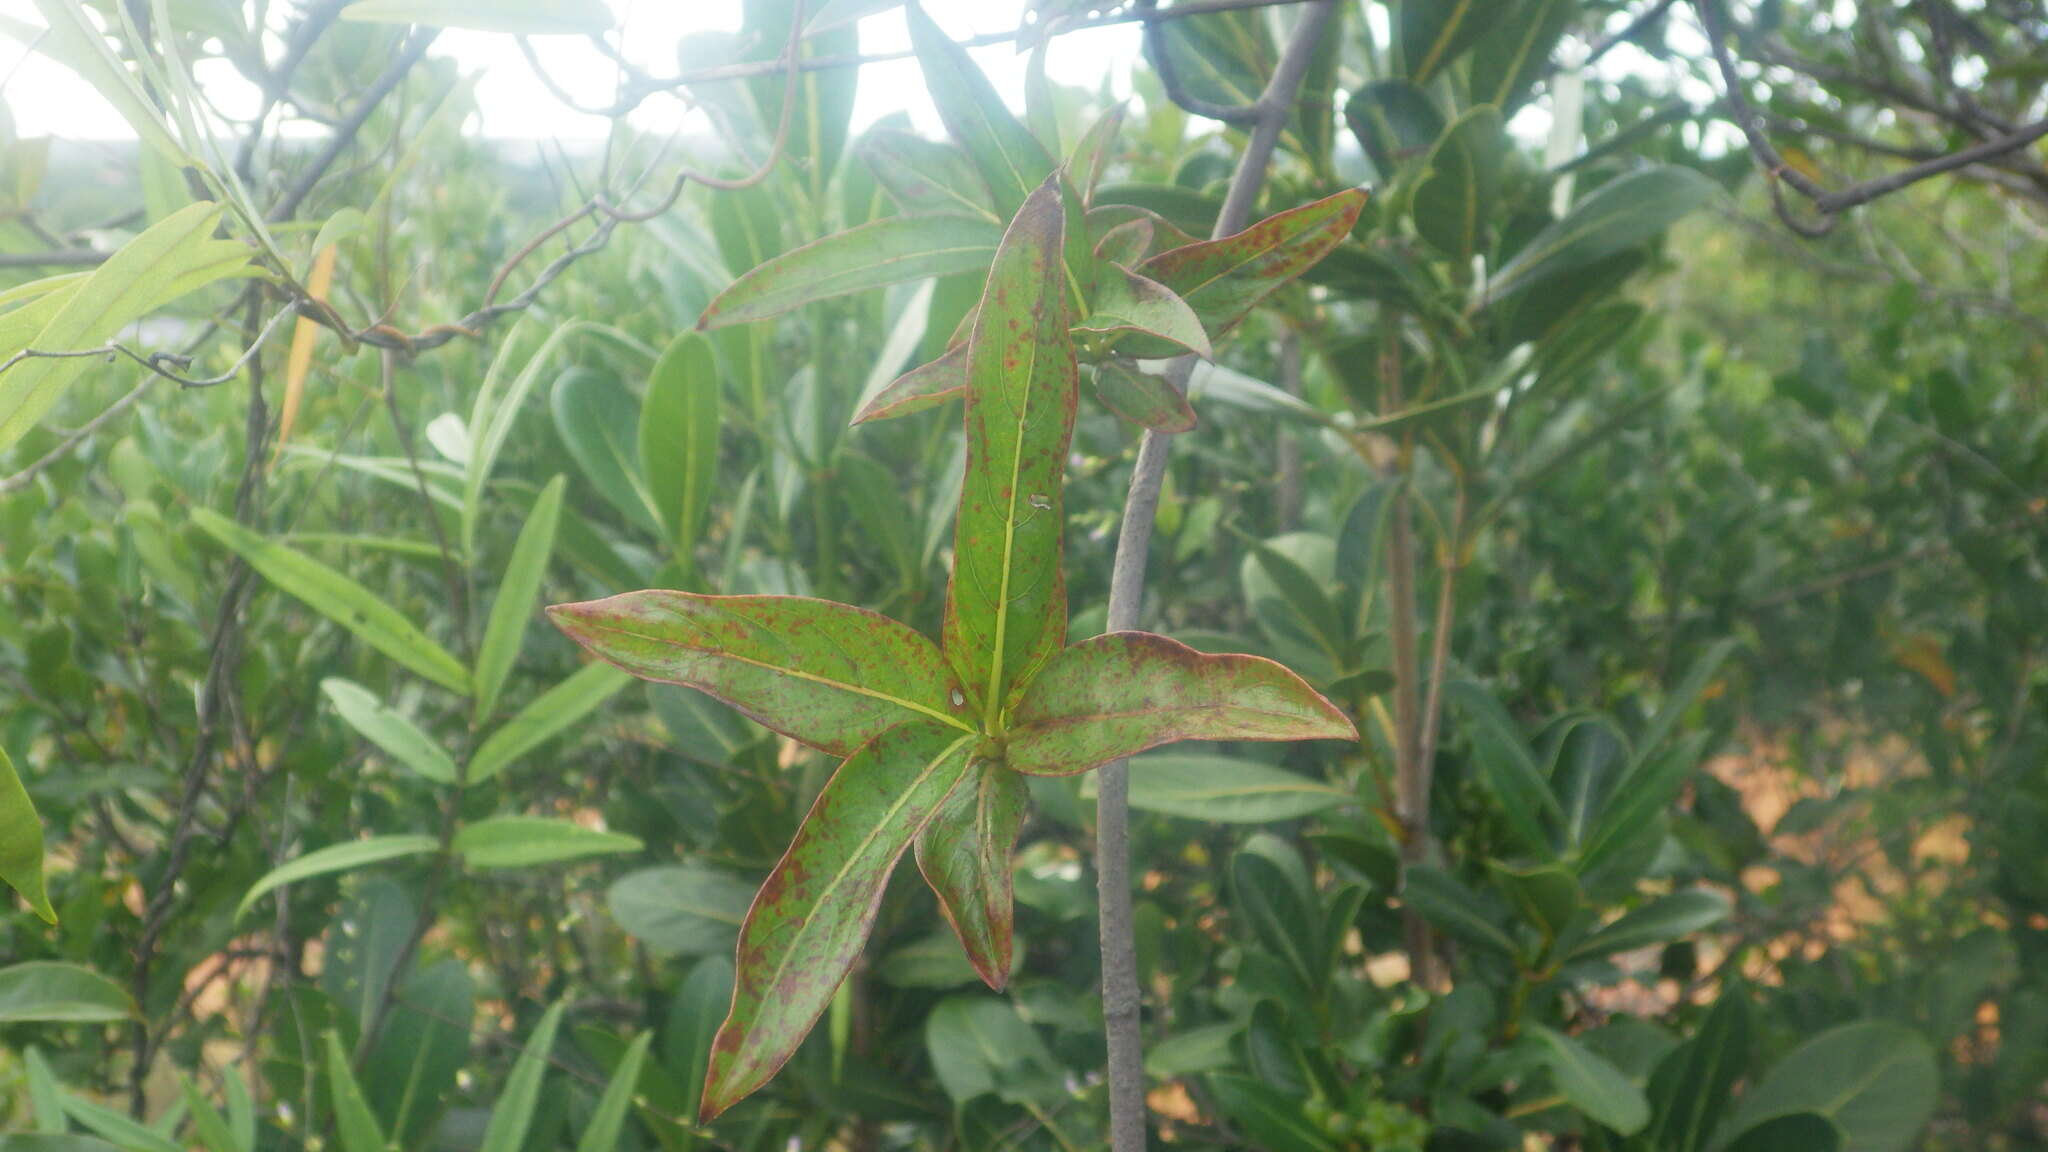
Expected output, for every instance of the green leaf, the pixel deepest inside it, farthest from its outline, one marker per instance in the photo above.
(681, 909)
(1548, 895)
(397, 736)
(1394, 121)
(527, 841)
(353, 1120)
(1621, 214)
(117, 1127)
(21, 842)
(807, 925)
(1224, 279)
(517, 592)
(1454, 201)
(980, 1046)
(1148, 312)
(1142, 398)
(1515, 49)
(213, 1130)
(343, 857)
(1526, 801)
(829, 675)
(679, 425)
(1876, 1081)
(1120, 693)
(338, 598)
(1660, 921)
(964, 854)
(1798, 1132)
(926, 386)
(1689, 1089)
(1430, 34)
(1438, 898)
(1006, 605)
(1637, 802)
(550, 713)
(513, 1115)
(49, 992)
(602, 1131)
(45, 1097)
(1272, 1118)
(1682, 698)
(1010, 159)
(522, 17)
(73, 41)
(1592, 1085)
(166, 261)
(56, 1142)
(874, 255)
(1226, 790)
(599, 420)
(925, 176)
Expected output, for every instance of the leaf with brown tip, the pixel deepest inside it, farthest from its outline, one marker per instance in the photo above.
(1120, 693)
(828, 675)
(811, 918)
(964, 853)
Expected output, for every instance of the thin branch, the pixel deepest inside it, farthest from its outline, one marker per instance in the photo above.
(164, 364)
(344, 133)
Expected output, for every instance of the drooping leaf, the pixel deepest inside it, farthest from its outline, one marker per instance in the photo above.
(874, 255)
(1453, 203)
(527, 841)
(807, 925)
(830, 675)
(1006, 605)
(50, 992)
(353, 1120)
(1592, 1085)
(521, 17)
(1143, 398)
(513, 1115)
(1224, 279)
(1662, 920)
(679, 426)
(1010, 159)
(1874, 1080)
(517, 591)
(682, 909)
(1121, 693)
(964, 853)
(1619, 215)
(338, 598)
(1146, 311)
(926, 386)
(389, 730)
(21, 842)
(344, 857)
(550, 713)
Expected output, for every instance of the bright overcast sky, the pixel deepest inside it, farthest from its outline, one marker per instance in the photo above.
(48, 100)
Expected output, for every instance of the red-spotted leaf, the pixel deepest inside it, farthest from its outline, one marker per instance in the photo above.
(1127, 303)
(925, 386)
(1010, 159)
(811, 918)
(829, 675)
(1006, 606)
(1144, 399)
(1122, 692)
(1224, 279)
(874, 255)
(964, 854)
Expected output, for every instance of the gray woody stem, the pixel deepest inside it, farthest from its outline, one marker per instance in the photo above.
(1126, 595)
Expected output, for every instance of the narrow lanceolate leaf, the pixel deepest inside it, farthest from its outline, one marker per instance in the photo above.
(964, 854)
(1144, 399)
(926, 386)
(679, 426)
(529, 841)
(888, 251)
(354, 1122)
(812, 916)
(54, 993)
(1006, 607)
(1224, 279)
(21, 842)
(1010, 159)
(829, 675)
(1126, 302)
(548, 715)
(1120, 693)
(1453, 203)
(343, 857)
(395, 735)
(513, 608)
(338, 598)
(512, 1118)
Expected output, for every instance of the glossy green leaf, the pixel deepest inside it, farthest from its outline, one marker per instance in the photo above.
(925, 177)
(1143, 398)
(829, 675)
(1798, 1132)
(513, 1115)
(338, 598)
(1224, 279)
(344, 857)
(1010, 159)
(1455, 200)
(517, 591)
(1661, 921)
(874, 255)
(807, 925)
(1145, 311)
(528, 841)
(1225, 790)
(117, 1126)
(166, 261)
(1875, 1080)
(1430, 34)
(1592, 1085)
(398, 737)
(1515, 50)
(1548, 894)
(49, 992)
(680, 418)
(1638, 802)
(547, 716)
(1437, 897)
(353, 1120)
(980, 1046)
(926, 386)
(1121, 693)
(681, 909)
(1689, 1089)
(21, 842)
(1621, 214)
(1006, 605)
(1505, 764)
(1394, 121)
(523, 17)
(964, 854)
(608, 1122)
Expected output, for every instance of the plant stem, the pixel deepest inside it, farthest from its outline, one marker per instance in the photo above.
(1120, 993)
